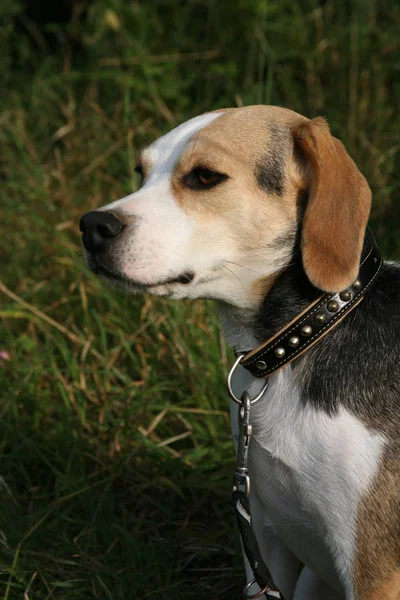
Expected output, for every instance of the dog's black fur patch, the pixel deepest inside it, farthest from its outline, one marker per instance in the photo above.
(269, 174)
(269, 171)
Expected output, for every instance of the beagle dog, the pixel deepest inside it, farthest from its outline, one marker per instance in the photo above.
(261, 209)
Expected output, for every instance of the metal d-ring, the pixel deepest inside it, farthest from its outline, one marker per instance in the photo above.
(229, 383)
(257, 594)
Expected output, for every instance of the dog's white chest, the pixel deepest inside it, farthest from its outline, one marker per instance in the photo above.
(280, 503)
(308, 473)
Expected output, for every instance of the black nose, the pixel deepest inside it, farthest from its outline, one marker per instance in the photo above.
(98, 229)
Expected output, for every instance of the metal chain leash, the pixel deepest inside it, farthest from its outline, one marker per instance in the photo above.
(240, 497)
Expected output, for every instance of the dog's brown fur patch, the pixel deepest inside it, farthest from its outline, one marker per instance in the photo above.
(389, 590)
(255, 202)
(377, 561)
(261, 287)
(338, 208)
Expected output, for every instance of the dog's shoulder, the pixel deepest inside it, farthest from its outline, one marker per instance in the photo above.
(357, 366)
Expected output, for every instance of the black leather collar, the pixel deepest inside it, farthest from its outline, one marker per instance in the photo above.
(313, 323)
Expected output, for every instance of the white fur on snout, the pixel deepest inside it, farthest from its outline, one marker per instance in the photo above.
(158, 246)
(156, 249)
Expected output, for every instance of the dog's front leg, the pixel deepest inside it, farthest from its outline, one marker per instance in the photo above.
(311, 587)
(283, 565)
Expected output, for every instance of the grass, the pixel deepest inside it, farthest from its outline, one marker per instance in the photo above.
(115, 453)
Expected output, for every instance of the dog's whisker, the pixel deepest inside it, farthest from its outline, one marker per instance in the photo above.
(244, 267)
(235, 275)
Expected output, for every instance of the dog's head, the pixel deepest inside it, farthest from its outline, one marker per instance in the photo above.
(221, 201)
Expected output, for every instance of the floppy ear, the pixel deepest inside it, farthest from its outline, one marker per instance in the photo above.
(338, 207)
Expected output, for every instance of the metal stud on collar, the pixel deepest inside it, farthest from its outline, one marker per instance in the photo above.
(229, 384)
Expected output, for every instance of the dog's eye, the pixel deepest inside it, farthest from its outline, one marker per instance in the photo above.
(139, 171)
(201, 178)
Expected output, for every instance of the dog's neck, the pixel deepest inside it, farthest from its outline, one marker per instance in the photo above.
(290, 294)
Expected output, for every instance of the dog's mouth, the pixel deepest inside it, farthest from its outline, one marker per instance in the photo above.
(121, 280)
